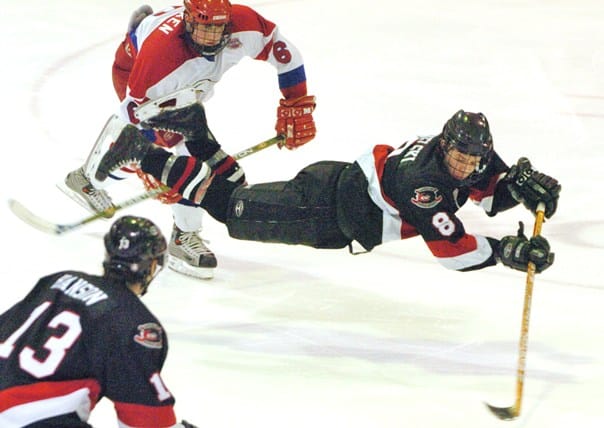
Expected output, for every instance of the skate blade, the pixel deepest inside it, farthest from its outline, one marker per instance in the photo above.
(74, 196)
(183, 267)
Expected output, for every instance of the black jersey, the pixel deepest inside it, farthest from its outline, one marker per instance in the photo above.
(74, 339)
(408, 192)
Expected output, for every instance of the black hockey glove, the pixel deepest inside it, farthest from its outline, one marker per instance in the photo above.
(517, 251)
(530, 187)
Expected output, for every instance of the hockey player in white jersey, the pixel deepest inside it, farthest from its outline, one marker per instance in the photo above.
(193, 46)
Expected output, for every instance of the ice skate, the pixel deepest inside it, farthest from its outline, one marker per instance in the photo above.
(188, 120)
(189, 255)
(129, 148)
(78, 187)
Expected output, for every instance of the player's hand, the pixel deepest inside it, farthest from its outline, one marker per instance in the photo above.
(530, 187)
(517, 251)
(295, 121)
(152, 184)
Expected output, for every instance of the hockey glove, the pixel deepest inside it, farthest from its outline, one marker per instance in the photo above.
(530, 187)
(517, 251)
(152, 184)
(295, 122)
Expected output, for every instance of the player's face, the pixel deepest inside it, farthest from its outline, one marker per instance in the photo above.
(461, 165)
(207, 35)
(156, 267)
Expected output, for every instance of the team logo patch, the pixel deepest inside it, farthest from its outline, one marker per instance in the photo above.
(239, 207)
(149, 335)
(426, 197)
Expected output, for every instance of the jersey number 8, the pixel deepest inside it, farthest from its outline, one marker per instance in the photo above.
(443, 223)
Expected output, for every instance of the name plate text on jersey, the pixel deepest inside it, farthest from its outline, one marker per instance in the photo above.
(79, 289)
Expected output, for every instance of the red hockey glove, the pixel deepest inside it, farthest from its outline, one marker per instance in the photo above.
(167, 197)
(295, 122)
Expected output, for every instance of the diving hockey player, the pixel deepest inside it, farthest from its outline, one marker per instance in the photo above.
(386, 194)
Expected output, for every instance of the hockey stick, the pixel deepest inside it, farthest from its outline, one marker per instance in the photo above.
(58, 228)
(509, 413)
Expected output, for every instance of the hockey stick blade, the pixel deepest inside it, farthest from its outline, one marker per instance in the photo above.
(30, 218)
(503, 413)
(35, 221)
(58, 229)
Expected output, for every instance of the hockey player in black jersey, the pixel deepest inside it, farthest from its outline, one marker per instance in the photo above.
(76, 338)
(388, 193)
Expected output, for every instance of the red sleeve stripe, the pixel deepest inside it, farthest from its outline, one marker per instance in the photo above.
(24, 394)
(478, 195)
(138, 415)
(467, 252)
(453, 249)
(24, 405)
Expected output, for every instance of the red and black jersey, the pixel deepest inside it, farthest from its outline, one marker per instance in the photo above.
(416, 195)
(74, 339)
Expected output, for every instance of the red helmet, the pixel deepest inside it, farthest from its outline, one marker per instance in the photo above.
(200, 16)
(208, 11)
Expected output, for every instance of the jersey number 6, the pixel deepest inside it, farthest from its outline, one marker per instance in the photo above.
(281, 53)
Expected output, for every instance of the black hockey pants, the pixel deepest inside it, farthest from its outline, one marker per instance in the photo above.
(300, 211)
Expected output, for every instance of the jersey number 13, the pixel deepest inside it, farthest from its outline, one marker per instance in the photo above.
(56, 345)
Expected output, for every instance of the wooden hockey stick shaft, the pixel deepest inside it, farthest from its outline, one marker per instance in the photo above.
(279, 139)
(58, 229)
(508, 413)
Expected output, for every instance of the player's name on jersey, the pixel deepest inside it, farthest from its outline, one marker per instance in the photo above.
(80, 289)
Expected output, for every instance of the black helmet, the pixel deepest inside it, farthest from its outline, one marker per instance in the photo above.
(469, 133)
(135, 250)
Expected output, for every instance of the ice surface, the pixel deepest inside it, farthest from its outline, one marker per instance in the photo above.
(294, 337)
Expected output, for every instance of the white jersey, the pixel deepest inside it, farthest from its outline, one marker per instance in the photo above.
(158, 61)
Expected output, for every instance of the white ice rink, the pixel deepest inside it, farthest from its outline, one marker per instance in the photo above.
(295, 337)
